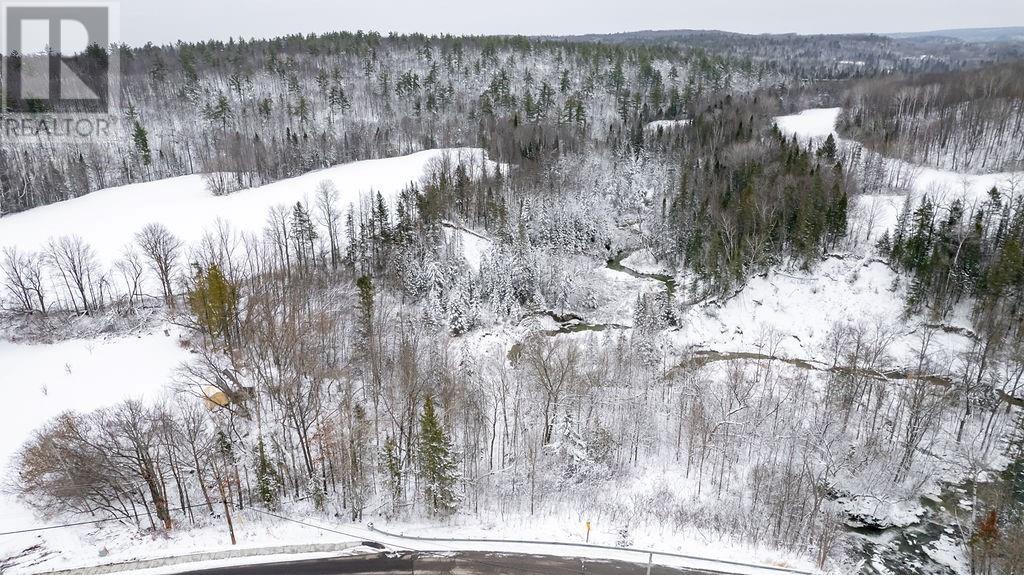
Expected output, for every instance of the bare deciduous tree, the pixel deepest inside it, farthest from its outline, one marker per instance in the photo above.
(163, 250)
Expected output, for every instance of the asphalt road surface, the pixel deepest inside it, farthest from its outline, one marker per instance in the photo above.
(468, 563)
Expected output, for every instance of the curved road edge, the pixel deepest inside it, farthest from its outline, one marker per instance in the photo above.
(634, 555)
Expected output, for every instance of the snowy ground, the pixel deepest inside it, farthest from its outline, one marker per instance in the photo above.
(645, 262)
(473, 244)
(41, 381)
(942, 185)
(82, 546)
(44, 380)
(793, 311)
(109, 219)
(666, 125)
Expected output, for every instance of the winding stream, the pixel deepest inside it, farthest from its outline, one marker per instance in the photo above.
(615, 264)
(881, 551)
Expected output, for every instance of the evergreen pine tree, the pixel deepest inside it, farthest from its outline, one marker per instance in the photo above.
(304, 234)
(141, 140)
(828, 148)
(437, 464)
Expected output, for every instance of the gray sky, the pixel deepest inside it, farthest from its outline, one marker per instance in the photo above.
(164, 21)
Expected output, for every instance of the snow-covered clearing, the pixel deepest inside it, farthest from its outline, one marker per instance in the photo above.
(44, 380)
(474, 245)
(789, 313)
(109, 219)
(41, 381)
(875, 214)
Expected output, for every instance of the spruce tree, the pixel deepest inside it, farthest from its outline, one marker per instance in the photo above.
(304, 235)
(141, 140)
(364, 324)
(437, 465)
(828, 148)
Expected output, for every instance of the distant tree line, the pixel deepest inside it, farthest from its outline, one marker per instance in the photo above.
(966, 120)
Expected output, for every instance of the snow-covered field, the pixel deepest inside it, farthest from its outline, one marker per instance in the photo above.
(40, 381)
(109, 219)
(44, 380)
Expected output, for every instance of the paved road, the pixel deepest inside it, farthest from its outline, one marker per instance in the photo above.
(468, 563)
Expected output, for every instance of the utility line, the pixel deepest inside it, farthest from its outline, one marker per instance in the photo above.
(108, 519)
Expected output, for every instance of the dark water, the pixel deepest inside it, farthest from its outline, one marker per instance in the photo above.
(616, 264)
(902, 550)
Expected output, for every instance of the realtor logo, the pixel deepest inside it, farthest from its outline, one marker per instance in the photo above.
(58, 63)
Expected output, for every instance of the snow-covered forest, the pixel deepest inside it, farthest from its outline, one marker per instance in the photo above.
(608, 280)
(968, 121)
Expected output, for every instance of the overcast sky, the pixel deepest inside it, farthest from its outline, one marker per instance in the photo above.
(165, 21)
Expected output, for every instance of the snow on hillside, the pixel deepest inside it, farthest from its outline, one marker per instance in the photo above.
(794, 311)
(41, 381)
(801, 307)
(943, 185)
(109, 219)
(473, 244)
(813, 123)
(644, 261)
